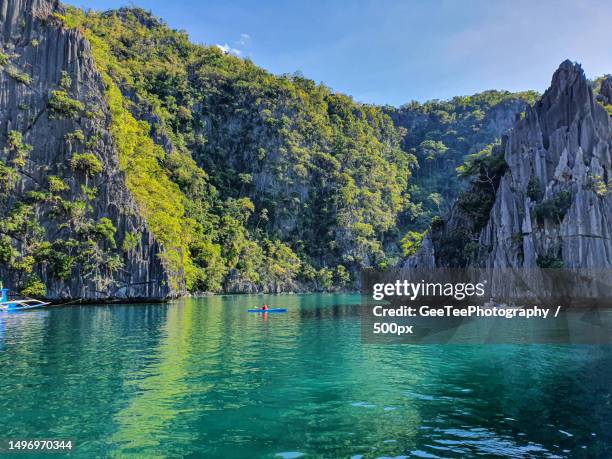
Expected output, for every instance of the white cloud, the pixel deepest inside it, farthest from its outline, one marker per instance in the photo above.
(227, 49)
(244, 40)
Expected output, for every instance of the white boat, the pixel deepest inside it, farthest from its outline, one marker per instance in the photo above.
(19, 304)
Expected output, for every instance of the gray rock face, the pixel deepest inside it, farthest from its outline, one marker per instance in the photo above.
(553, 205)
(563, 145)
(42, 49)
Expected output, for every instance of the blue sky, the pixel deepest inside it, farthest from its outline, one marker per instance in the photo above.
(391, 52)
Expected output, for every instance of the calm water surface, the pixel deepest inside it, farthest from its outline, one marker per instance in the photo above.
(203, 378)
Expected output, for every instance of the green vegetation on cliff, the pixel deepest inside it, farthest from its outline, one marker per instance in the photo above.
(251, 181)
(442, 133)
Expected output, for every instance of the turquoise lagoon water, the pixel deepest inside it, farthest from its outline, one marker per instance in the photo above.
(204, 378)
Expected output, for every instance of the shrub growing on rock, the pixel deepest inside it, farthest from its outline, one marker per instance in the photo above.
(86, 163)
(61, 105)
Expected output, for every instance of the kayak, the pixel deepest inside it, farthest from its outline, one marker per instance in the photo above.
(268, 310)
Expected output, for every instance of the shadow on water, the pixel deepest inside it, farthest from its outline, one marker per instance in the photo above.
(202, 377)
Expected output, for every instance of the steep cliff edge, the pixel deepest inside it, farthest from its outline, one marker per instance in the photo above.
(541, 199)
(68, 221)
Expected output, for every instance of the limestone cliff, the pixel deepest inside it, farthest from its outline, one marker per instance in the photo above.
(64, 197)
(542, 200)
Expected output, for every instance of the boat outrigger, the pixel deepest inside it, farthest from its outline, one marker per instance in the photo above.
(7, 304)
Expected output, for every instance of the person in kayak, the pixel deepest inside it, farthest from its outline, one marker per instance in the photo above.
(264, 307)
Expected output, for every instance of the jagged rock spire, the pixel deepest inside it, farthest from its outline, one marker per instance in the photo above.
(553, 205)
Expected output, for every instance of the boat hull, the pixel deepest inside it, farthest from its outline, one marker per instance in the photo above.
(10, 307)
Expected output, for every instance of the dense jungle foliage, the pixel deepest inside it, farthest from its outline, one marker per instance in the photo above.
(280, 181)
(442, 133)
